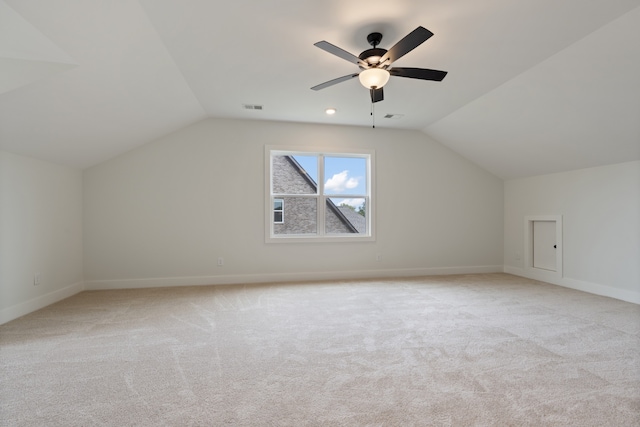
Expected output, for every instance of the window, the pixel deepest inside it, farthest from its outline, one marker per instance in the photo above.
(278, 211)
(327, 195)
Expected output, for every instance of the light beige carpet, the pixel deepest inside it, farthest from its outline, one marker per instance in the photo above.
(470, 350)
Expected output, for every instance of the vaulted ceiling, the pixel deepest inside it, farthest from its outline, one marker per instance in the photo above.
(534, 86)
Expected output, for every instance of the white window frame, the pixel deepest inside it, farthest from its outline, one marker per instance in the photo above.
(320, 236)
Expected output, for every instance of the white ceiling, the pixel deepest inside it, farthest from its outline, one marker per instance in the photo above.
(534, 86)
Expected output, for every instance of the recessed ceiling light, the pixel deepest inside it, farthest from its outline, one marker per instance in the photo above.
(330, 111)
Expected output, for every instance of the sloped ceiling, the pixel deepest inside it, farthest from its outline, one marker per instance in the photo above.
(534, 86)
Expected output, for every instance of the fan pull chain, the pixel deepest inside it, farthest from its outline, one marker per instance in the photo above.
(373, 116)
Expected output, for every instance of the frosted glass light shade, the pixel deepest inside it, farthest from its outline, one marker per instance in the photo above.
(374, 77)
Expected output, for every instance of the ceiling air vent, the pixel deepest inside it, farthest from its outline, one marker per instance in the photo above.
(394, 116)
(252, 107)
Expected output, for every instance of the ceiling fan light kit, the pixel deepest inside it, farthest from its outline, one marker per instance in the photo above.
(374, 78)
(375, 63)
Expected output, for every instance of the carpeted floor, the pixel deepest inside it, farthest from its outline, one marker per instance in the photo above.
(469, 350)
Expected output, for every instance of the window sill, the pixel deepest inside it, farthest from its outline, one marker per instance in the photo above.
(292, 238)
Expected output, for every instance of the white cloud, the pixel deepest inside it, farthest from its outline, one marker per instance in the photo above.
(340, 182)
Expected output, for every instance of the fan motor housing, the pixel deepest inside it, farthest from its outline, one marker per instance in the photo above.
(372, 56)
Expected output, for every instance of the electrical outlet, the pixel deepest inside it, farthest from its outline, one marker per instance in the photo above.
(36, 279)
(379, 257)
(220, 261)
(517, 256)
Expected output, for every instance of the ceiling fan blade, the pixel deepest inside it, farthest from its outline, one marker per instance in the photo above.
(411, 41)
(335, 81)
(418, 73)
(377, 95)
(335, 50)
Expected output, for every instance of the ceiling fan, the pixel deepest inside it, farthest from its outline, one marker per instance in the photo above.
(375, 63)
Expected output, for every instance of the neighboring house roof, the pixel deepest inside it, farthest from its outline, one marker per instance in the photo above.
(357, 220)
(356, 225)
(302, 171)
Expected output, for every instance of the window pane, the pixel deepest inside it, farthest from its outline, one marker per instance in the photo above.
(309, 164)
(289, 177)
(301, 216)
(345, 175)
(277, 204)
(277, 216)
(345, 216)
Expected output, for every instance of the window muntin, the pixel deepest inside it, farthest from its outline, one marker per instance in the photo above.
(327, 194)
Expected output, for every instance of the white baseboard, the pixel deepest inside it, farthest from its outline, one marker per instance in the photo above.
(10, 313)
(93, 285)
(580, 285)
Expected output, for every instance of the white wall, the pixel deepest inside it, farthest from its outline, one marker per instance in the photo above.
(40, 232)
(600, 210)
(162, 214)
